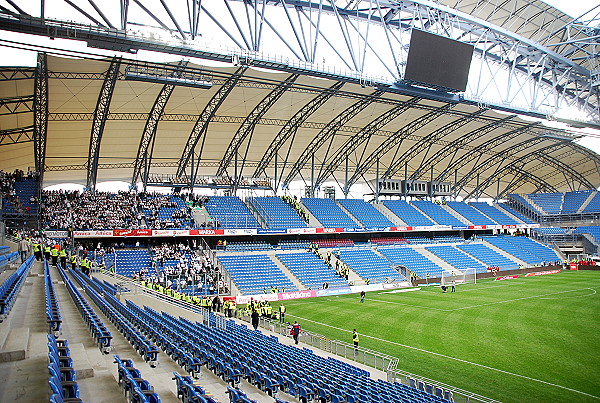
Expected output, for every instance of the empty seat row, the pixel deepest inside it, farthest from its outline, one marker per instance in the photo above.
(101, 334)
(110, 306)
(456, 258)
(187, 391)
(133, 385)
(370, 266)
(53, 317)
(412, 260)
(276, 213)
(310, 270)
(63, 378)
(366, 213)
(253, 273)
(6, 257)
(329, 214)
(11, 287)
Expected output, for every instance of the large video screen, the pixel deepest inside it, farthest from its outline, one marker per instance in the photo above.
(438, 61)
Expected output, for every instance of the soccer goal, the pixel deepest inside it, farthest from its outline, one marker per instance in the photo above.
(467, 276)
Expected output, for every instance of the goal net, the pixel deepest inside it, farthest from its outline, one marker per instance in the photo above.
(467, 276)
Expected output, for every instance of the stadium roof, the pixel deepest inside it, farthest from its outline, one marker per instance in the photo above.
(130, 118)
(301, 117)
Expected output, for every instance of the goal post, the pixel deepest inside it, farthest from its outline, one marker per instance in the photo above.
(467, 276)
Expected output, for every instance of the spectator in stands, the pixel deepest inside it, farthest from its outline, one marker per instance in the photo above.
(281, 313)
(355, 340)
(24, 249)
(295, 331)
(254, 318)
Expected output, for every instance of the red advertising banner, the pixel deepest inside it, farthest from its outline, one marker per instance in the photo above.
(573, 265)
(329, 230)
(206, 232)
(505, 278)
(132, 232)
(542, 273)
(93, 234)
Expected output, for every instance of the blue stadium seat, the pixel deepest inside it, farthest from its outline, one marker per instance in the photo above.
(366, 213)
(311, 270)
(370, 265)
(276, 213)
(407, 213)
(437, 213)
(329, 214)
(230, 212)
(253, 273)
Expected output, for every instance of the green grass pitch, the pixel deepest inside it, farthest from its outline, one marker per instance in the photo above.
(534, 339)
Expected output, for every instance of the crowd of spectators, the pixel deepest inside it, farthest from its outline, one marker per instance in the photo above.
(179, 266)
(152, 205)
(90, 210)
(93, 210)
(8, 191)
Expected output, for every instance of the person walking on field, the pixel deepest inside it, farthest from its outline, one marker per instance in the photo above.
(362, 296)
(453, 286)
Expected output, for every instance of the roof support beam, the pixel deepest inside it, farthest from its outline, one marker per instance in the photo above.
(144, 155)
(503, 156)
(456, 144)
(328, 132)
(482, 149)
(395, 139)
(14, 105)
(433, 138)
(355, 141)
(16, 136)
(247, 128)
(40, 114)
(100, 114)
(288, 131)
(204, 119)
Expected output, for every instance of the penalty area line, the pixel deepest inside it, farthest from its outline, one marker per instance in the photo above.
(452, 358)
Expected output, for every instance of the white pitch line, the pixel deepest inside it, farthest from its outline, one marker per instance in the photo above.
(454, 358)
(401, 303)
(579, 296)
(516, 299)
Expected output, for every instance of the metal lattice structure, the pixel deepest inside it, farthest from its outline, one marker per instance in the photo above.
(302, 91)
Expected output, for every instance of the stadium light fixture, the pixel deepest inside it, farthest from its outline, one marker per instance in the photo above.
(164, 75)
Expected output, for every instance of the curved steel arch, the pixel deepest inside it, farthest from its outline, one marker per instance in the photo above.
(329, 131)
(341, 36)
(251, 120)
(204, 119)
(100, 115)
(40, 114)
(432, 138)
(293, 124)
(355, 141)
(141, 166)
(397, 138)
(457, 144)
(482, 148)
(525, 177)
(503, 156)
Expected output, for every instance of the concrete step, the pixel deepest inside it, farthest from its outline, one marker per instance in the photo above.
(16, 346)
